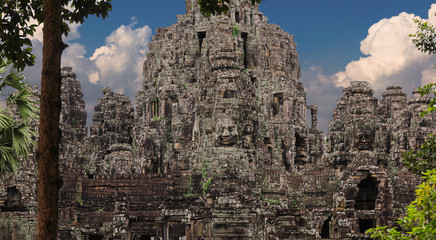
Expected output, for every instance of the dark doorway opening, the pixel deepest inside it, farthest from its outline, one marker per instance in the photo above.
(365, 224)
(13, 200)
(367, 194)
(244, 36)
(95, 237)
(325, 230)
(201, 37)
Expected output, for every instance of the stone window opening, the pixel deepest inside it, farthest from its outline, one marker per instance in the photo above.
(13, 200)
(201, 37)
(300, 149)
(277, 105)
(325, 230)
(388, 144)
(154, 108)
(237, 18)
(244, 36)
(365, 224)
(253, 80)
(229, 94)
(299, 143)
(367, 194)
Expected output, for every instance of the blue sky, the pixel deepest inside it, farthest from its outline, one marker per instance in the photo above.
(338, 41)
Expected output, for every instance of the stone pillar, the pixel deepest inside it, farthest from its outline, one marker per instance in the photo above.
(188, 6)
(119, 222)
(314, 115)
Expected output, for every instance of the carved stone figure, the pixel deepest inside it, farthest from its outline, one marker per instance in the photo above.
(227, 132)
(364, 139)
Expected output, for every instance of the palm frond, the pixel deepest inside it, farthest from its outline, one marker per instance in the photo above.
(22, 139)
(15, 134)
(4, 63)
(23, 101)
(15, 79)
(6, 121)
(9, 162)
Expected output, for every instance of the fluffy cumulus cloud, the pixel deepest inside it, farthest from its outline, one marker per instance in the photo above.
(118, 60)
(390, 59)
(117, 64)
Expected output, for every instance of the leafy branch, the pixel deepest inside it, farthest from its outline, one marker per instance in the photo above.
(206, 179)
(424, 159)
(428, 89)
(16, 131)
(420, 220)
(424, 37)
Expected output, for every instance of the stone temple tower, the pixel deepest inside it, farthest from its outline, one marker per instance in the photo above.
(226, 89)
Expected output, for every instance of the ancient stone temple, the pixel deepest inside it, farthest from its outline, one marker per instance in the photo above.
(218, 147)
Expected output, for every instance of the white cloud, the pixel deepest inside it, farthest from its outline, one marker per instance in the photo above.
(117, 64)
(74, 32)
(392, 59)
(93, 77)
(391, 56)
(119, 59)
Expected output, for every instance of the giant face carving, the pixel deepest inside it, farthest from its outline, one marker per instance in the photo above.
(364, 141)
(227, 132)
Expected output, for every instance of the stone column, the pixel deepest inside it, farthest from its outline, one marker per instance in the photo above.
(188, 6)
(314, 115)
(119, 222)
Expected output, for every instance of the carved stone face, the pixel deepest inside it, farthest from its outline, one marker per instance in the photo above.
(364, 140)
(227, 132)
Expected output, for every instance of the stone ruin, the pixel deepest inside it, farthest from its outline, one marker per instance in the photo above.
(218, 146)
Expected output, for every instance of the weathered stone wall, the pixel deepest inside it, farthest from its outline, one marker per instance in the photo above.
(364, 145)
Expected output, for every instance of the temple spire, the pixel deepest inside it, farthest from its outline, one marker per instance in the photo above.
(188, 6)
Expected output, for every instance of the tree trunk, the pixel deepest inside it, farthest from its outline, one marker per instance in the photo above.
(49, 179)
